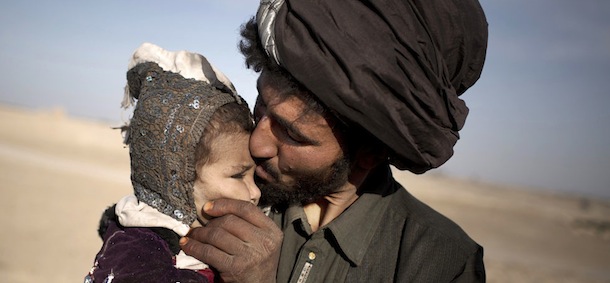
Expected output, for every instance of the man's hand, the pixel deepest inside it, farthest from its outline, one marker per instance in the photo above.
(242, 243)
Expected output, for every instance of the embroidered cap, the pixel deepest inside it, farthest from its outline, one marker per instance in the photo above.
(168, 120)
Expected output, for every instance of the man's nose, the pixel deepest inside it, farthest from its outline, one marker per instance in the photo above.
(263, 144)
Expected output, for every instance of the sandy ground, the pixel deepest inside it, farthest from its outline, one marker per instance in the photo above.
(58, 174)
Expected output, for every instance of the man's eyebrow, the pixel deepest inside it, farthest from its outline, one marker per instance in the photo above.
(280, 120)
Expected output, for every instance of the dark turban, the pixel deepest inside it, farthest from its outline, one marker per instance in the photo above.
(394, 67)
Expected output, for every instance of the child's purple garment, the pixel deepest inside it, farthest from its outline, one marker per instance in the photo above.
(134, 254)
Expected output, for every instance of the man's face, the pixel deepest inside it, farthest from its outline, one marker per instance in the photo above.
(299, 157)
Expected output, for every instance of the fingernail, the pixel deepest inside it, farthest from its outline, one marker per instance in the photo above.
(183, 241)
(208, 206)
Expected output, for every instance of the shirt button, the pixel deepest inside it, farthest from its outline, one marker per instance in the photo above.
(312, 255)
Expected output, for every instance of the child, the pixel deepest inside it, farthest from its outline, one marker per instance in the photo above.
(188, 144)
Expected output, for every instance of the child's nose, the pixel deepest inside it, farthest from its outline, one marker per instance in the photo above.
(255, 192)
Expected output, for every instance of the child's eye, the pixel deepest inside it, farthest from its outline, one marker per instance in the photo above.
(240, 175)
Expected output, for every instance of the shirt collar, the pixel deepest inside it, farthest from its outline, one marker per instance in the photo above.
(356, 226)
(294, 213)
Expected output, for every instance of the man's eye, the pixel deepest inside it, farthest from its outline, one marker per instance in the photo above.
(295, 137)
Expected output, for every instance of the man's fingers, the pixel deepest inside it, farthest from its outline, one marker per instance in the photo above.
(217, 237)
(243, 209)
(265, 236)
(227, 264)
(206, 253)
(241, 242)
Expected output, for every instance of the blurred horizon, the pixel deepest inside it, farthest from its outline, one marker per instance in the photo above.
(538, 116)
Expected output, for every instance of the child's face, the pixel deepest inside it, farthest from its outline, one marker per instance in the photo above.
(229, 175)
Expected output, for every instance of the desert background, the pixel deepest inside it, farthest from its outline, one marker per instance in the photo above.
(58, 173)
(538, 119)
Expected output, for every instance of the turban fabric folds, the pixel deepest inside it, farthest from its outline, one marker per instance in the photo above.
(394, 67)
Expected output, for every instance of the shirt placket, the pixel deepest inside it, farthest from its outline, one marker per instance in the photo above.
(310, 258)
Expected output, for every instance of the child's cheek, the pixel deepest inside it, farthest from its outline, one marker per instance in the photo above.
(239, 192)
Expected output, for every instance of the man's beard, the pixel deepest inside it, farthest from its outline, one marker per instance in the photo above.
(307, 186)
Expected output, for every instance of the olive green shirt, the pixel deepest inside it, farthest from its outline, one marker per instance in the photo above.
(385, 236)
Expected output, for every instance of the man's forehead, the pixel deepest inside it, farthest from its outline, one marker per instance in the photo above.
(289, 104)
(292, 109)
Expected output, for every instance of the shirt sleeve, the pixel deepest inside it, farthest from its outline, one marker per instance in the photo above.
(474, 270)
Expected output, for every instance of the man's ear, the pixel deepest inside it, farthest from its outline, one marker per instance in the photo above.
(365, 160)
(369, 157)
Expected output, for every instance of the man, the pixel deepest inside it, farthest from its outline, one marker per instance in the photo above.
(346, 89)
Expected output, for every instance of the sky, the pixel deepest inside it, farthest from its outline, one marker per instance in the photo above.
(538, 115)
